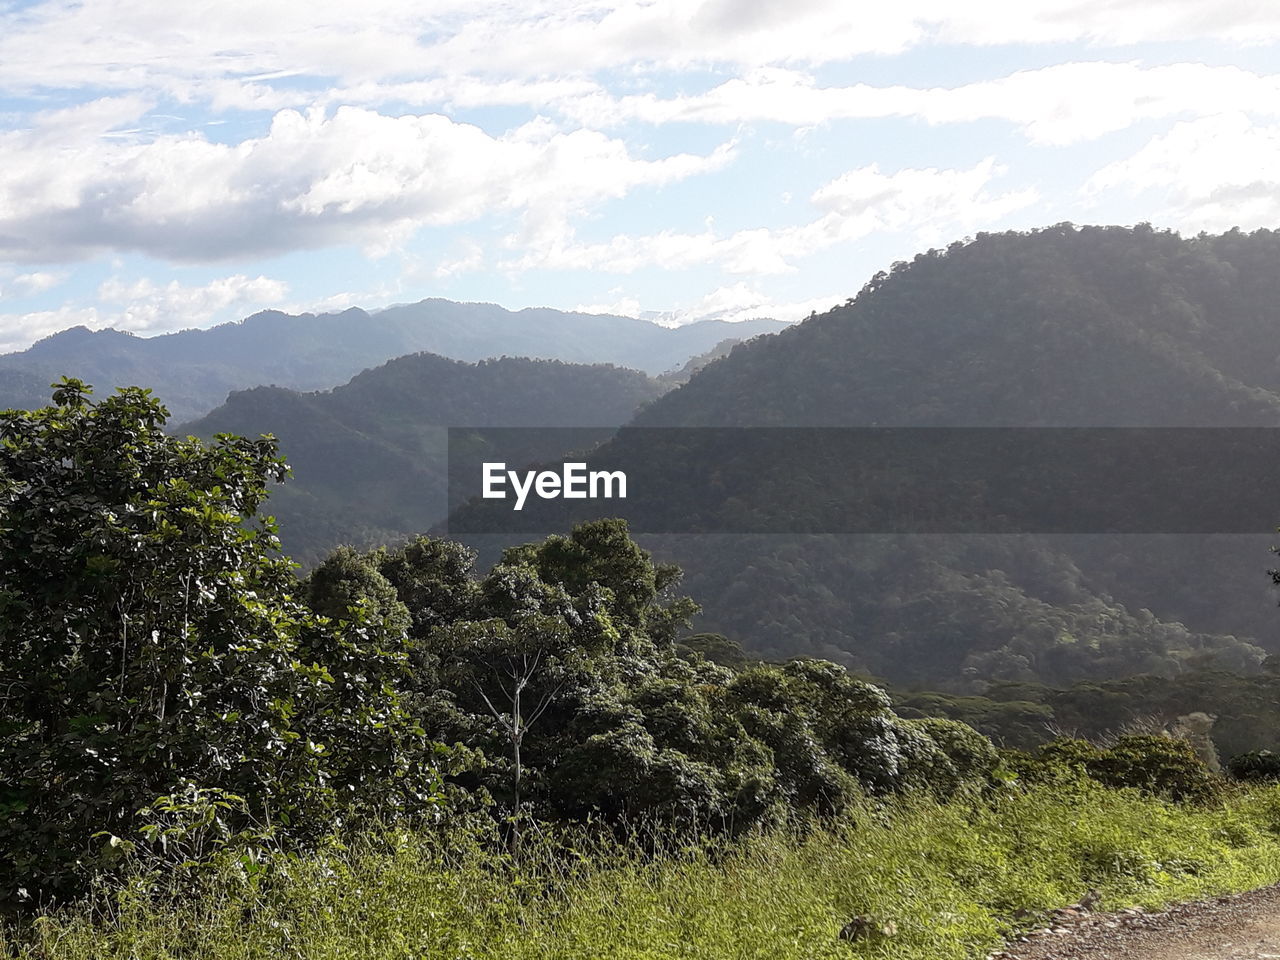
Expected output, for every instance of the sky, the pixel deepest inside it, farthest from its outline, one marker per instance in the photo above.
(175, 165)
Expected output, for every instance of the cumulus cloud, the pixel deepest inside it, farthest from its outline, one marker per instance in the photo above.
(742, 301)
(1213, 174)
(147, 307)
(19, 330)
(732, 303)
(312, 180)
(620, 306)
(142, 306)
(927, 203)
(470, 257)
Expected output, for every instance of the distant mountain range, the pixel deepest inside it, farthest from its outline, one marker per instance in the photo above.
(194, 370)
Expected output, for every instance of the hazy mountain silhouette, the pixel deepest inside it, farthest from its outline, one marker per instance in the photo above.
(194, 370)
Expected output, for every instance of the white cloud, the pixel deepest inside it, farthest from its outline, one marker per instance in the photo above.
(142, 306)
(145, 307)
(19, 330)
(1060, 104)
(312, 180)
(342, 300)
(1108, 22)
(930, 204)
(470, 257)
(732, 303)
(742, 301)
(29, 284)
(1213, 174)
(242, 53)
(621, 307)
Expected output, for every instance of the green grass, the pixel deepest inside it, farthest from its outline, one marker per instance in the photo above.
(949, 876)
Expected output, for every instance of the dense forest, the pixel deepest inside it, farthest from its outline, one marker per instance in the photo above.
(153, 643)
(1063, 326)
(194, 370)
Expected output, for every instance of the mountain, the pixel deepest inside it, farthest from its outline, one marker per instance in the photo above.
(370, 457)
(194, 370)
(1061, 327)
(22, 390)
(694, 364)
(1058, 327)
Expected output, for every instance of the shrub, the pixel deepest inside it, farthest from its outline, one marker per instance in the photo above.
(1157, 765)
(1260, 765)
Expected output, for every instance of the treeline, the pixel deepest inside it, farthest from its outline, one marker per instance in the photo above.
(1235, 714)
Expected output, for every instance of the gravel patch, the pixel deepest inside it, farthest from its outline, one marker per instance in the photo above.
(1241, 927)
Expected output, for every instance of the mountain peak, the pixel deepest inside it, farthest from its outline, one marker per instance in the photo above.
(74, 336)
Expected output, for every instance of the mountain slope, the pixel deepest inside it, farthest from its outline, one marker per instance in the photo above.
(370, 457)
(1059, 327)
(1089, 327)
(194, 370)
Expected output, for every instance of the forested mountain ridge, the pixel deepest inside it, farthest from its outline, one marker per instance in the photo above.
(1058, 327)
(194, 370)
(1093, 326)
(369, 458)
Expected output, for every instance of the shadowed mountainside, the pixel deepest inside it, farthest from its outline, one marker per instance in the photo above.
(369, 458)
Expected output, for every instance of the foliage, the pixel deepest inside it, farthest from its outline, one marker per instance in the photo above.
(1257, 766)
(1159, 766)
(1226, 713)
(559, 667)
(150, 643)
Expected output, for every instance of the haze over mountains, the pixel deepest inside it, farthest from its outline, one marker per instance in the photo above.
(194, 370)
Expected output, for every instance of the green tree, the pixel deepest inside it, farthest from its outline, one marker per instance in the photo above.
(150, 640)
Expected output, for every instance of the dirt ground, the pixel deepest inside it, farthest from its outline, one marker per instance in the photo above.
(1243, 927)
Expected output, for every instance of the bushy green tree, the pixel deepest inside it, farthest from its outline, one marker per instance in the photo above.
(1257, 765)
(348, 581)
(560, 667)
(151, 644)
(1158, 765)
